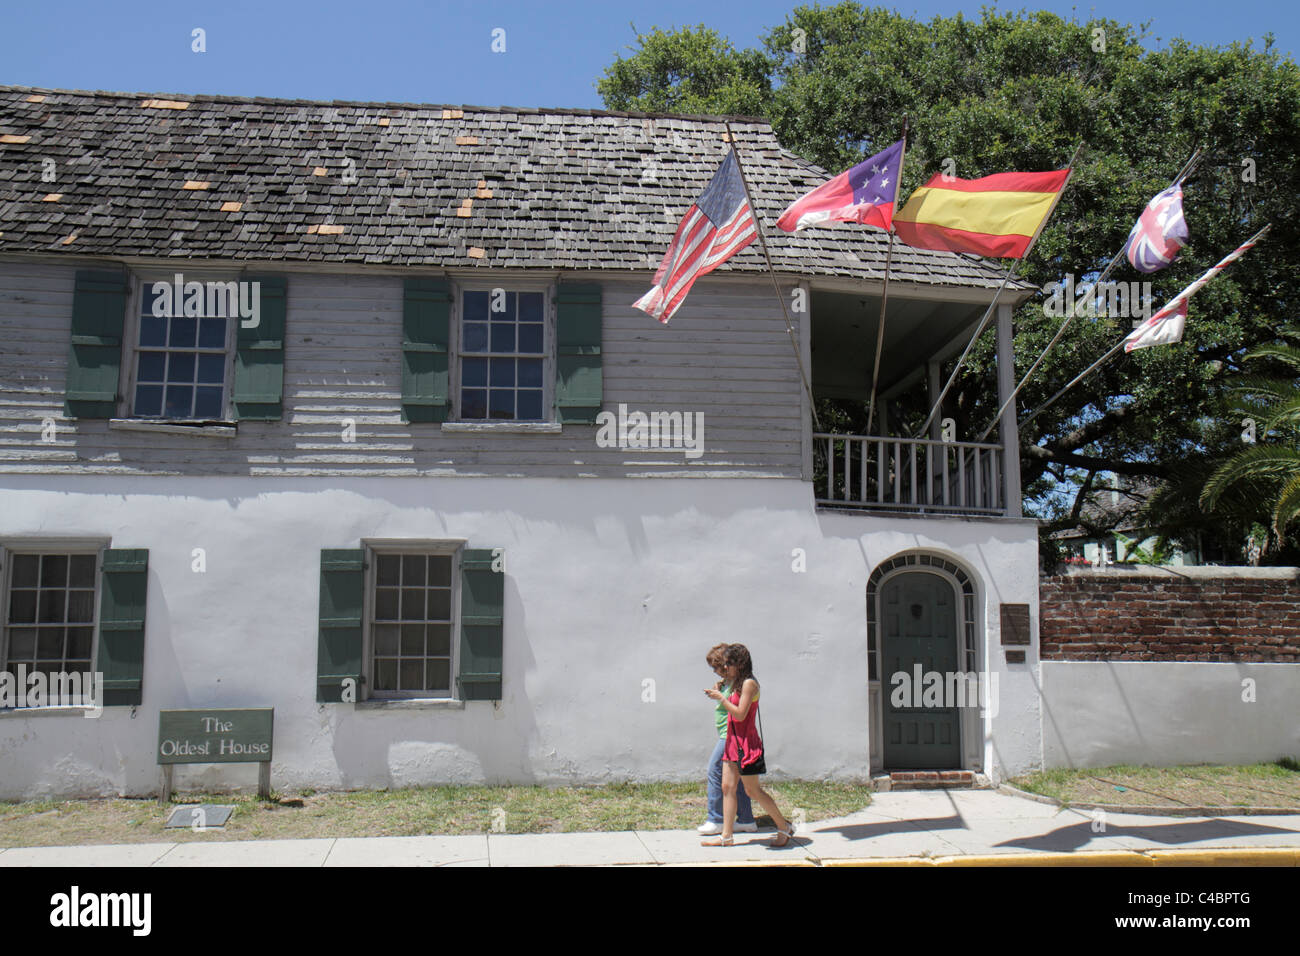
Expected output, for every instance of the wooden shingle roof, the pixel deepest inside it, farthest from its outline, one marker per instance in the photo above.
(217, 177)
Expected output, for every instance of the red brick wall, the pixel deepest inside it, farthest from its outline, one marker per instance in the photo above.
(1157, 614)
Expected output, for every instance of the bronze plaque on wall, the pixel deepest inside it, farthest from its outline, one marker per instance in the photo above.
(1015, 623)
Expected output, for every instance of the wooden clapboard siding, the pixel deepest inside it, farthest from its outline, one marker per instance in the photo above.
(726, 354)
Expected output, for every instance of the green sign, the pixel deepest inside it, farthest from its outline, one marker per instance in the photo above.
(215, 736)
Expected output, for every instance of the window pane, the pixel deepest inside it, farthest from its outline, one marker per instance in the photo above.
(386, 675)
(184, 331)
(82, 571)
(412, 675)
(502, 307)
(212, 368)
(207, 402)
(503, 338)
(51, 609)
(385, 640)
(22, 643)
(412, 640)
(413, 569)
(386, 604)
(530, 372)
(180, 367)
(530, 338)
(212, 334)
(439, 640)
(439, 605)
(152, 366)
(412, 604)
(476, 306)
(473, 403)
(180, 400)
(49, 643)
(530, 404)
(476, 337)
(503, 404)
(22, 607)
(79, 640)
(475, 372)
(148, 399)
(439, 676)
(81, 606)
(503, 372)
(388, 568)
(530, 306)
(54, 571)
(440, 570)
(26, 567)
(153, 331)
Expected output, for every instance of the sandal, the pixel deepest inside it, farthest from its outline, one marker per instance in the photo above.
(719, 841)
(787, 834)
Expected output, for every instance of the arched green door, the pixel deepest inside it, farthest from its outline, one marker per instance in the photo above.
(918, 615)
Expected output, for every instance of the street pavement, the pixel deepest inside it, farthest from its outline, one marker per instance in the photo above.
(925, 828)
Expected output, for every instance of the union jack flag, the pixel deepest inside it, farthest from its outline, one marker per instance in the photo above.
(715, 228)
(1159, 232)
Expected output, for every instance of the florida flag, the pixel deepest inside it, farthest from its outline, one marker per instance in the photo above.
(1159, 232)
(1164, 328)
(714, 229)
(866, 194)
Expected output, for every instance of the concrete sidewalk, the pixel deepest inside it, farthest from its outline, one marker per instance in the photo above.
(962, 827)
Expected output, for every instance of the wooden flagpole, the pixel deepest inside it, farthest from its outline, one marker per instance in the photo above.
(758, 228)
(996, 295)
(884, 292)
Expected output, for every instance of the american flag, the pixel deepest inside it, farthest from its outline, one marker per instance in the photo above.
(1159, 232)
(714, 229)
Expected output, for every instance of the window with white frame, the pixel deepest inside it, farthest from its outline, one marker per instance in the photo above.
(412, 605)
(50, 602)
(503, 355)
(181, 367)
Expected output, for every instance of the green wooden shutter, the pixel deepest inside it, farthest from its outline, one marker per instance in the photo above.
(120, 659)
(95, 349)
(578, 382)
(338, 648)
(426, 312)
(259, 356)
(482, 597)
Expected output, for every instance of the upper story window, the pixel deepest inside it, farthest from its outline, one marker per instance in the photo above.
(182, 360)
(503, 355)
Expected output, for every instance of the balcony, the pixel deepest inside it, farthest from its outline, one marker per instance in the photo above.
(919, 476)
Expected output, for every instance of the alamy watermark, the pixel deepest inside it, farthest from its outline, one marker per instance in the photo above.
(20, 689)
(1124, 300)
(209, 300)
(637, 429)
(944, 689)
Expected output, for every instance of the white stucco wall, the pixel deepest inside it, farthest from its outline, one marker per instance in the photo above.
(608, 583)
(1158, 713)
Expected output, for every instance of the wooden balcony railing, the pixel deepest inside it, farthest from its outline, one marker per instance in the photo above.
(908, 474)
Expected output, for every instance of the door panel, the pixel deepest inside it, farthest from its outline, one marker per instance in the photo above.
(918, 615)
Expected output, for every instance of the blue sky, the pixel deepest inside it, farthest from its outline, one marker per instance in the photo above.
(437, 52)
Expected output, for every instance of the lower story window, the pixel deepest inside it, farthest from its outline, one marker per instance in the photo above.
(412, 625)
(50, 617)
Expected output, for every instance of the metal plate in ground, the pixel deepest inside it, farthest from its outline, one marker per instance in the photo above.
(205, 816)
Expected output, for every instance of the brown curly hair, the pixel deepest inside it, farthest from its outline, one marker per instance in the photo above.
(738, 656)
(717, 655)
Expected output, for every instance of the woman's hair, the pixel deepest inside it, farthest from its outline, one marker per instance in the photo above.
(717, 655)
(737, 655)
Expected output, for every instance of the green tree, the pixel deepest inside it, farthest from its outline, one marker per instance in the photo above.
(1019, 91)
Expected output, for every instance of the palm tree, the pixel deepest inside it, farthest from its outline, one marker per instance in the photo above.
(1268, 471)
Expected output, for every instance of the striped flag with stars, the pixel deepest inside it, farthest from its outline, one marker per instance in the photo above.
(866, 194)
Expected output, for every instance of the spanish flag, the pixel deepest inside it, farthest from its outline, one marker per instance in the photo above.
(997, 216)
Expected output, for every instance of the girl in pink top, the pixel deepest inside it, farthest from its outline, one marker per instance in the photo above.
(743, 758)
